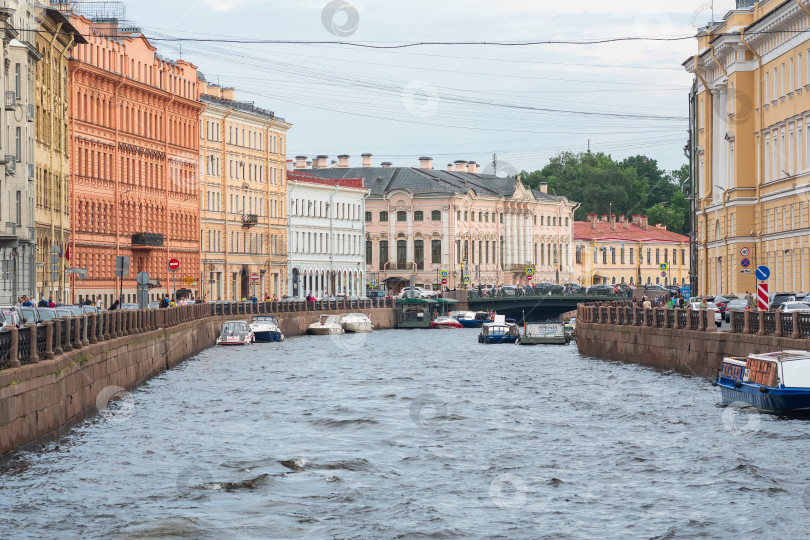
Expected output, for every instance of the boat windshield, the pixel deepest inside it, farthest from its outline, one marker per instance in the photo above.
(265, 319)
(499, 330)
(233, 328)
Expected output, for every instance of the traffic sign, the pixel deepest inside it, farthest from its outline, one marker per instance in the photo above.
(188, 280)
(444, 274)
(745, 252)
(746, 271)
(444, 281)
(528, 278)
(466, 279)
(255, 276)
(762, 295)
(763, 273)
(143, 278)
(529, 272)
(373, 283)
(174, 265)
(745, 263)
(663, 274)
(663, 267)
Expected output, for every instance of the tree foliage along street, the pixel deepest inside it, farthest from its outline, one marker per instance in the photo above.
(602, 185)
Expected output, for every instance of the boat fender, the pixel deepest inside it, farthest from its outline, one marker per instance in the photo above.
(714, 383)
(763, 389)
(737, 384)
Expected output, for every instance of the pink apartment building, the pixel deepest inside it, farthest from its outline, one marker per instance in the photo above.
(421, 222)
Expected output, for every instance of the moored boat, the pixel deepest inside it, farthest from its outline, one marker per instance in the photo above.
(235, 333)
(499, 331)
(325, 325)
(571, 328)
(771, 382)
(445, 322)
(544, 334)
(468, 319)
(356, 323)
(266, 329)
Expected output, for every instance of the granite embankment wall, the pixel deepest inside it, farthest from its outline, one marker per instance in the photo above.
(80, 367)
(683, 340)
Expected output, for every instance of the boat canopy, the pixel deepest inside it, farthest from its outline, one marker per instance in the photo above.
(446, 301)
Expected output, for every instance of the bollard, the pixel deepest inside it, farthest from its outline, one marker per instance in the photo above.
(761, 331)
(67, 328)
(33, 357)
(49, 354)
(747, 321)
(711, 326)
(778, 320)
(14, 349)
(76, 333)
(795, 325)
(57, 337)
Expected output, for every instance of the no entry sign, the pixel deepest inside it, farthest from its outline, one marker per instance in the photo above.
(174, 265)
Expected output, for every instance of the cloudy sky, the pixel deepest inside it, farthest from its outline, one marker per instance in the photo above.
(450, 102)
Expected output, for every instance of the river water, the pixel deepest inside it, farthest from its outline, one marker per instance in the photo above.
(414, 434)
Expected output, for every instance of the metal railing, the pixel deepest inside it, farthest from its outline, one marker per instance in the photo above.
(769, 323)
(738, 322)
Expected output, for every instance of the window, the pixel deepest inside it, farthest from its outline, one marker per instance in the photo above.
(402, 254)
(683, 256)
(419, 254)
(18, 146)
(622, 255)
(19, 208)
(383, 252)
(480, 215)
(436, 251)
(402, 216)
(632, 256)
(604, 256)
(369, 253)
(657, 256)
(501, 218)
(368, 217)
(465, 216)
(384, 217)
(649, 255)
(419, 216)
(436, 215)
(579, 255)
(612, 255)
(18, 80)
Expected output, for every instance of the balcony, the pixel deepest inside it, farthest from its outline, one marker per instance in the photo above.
(147, 240)
(11, 101)
(249, 220)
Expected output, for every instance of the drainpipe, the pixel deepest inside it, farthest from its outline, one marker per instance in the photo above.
(710, 147)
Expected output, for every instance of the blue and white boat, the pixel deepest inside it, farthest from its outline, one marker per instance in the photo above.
(266, 329)
(499, 331)
(468, 319)
(771, 382)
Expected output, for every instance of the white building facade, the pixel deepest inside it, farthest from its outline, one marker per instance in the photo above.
(326, 235)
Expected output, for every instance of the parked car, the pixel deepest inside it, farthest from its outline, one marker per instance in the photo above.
(376, 294)
(722, 301)
(780, 298)
(600, 290)
(413, 292)
(734, 306)
(509, 290)
(10, 318)
(575, 289)
(548, 288)
(47, 314)
(30, 315)
(794, 307)
(710, 305)
(656, 288)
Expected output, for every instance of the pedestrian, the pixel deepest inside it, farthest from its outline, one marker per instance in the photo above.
(254, 299)
(42, 303)
(275, 298)
(27, 302)
(646, 304)
(98, 302)
(173, 303)
(50, 303)
(703, 304)
(164, 302)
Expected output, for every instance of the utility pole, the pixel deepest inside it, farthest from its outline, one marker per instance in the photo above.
(495, 164)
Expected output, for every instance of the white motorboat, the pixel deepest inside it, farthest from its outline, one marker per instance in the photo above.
(235, 333)
(266, 329)
(325, 325)
(356, 323)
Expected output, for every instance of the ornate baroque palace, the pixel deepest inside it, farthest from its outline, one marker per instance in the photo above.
(479, 228)
(751, 117)
(134, 121)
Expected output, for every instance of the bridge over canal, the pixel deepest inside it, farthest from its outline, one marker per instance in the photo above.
(537, 308)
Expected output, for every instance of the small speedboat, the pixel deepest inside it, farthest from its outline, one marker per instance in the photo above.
(544, 334)
(499, 331)
(356, 323)
(235, 333)
(468, 319)
(325, 325)
(266, 329)
(445, 322)
(771, 382)
(571, 328)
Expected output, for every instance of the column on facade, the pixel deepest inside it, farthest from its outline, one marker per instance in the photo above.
(508, 238)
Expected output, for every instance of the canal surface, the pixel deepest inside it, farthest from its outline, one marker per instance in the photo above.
(414, 434)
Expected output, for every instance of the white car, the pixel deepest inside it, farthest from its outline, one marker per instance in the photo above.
(415, 292)
(718, 320)
(793, 307)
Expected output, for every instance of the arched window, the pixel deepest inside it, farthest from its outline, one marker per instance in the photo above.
(658, 281)
(613, 280)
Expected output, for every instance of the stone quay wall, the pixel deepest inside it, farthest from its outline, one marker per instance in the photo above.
(49, 385)
(684, 340)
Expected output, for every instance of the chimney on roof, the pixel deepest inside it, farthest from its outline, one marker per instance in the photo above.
(425, 162)
(592, 220)
(386, 164)
(309, 164)
(367, 160)
(644, 222)
(612, 222)
(320, 162)
(300, 162)
(449, 166)
(229, 94)
(604, 218)
(343, 161)
(290, 165)
(472, 167)
(543, 188)
(461, 165)
(623, 220)
(637, 219)
(661, 226)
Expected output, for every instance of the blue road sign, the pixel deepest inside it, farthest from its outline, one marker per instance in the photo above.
(745, 263)
(763, 273)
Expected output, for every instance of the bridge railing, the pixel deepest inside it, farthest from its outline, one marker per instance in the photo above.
(475, 294)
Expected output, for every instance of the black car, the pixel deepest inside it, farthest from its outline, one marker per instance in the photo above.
(574, 289)
(548, 288)
(376, 294)
(722, 302)
(601, 290)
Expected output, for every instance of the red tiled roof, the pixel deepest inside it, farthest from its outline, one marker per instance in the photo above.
(298, 176)
(634, 233)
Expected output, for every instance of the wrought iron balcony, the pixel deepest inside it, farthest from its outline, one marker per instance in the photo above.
(146, 240)
(249, 220)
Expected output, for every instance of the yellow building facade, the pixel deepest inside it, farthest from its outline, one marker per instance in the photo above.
(243, 198)
(751, 126)
(612, 251)
(54, 41)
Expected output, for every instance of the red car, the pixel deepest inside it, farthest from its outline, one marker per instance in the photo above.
(446, 322)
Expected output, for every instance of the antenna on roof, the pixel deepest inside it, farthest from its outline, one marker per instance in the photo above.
(495, 164)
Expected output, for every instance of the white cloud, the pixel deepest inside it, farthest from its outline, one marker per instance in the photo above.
(223, 5)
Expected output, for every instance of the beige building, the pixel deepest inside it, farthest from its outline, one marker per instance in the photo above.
(54, 41)
(751, 125)
(611, 251)
(243, 198)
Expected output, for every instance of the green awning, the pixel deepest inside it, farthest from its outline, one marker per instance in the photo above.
(416, 301)
(446, 301)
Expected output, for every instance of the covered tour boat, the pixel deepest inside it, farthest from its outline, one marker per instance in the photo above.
(771, 382)
(356, 323)
(468, 319)
(445, 322)
(266, 329)
(325, 325)
(499, 331)
(235, 333)
(544, 334)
